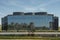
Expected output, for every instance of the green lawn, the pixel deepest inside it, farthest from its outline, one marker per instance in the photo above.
(34, 39)
(28, 38)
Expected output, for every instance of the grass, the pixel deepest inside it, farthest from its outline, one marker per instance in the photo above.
(28, 38)
(45, 38)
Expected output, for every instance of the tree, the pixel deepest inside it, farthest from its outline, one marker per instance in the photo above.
(11, 26)
(17, 27)
(31, 28)
(25, 26)
(44, 28)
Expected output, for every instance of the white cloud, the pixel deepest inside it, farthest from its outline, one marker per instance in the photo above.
(20, 4)
(48, 3)
(1, 14)
(29, 9)
(43, 9)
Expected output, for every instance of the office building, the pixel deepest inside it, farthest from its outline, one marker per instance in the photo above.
(30, 21)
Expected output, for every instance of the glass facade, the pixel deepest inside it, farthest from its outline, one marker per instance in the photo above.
(38, 21)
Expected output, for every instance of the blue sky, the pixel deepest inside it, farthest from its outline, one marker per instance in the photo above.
(10, 6)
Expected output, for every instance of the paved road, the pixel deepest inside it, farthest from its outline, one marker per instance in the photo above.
(29, 33)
